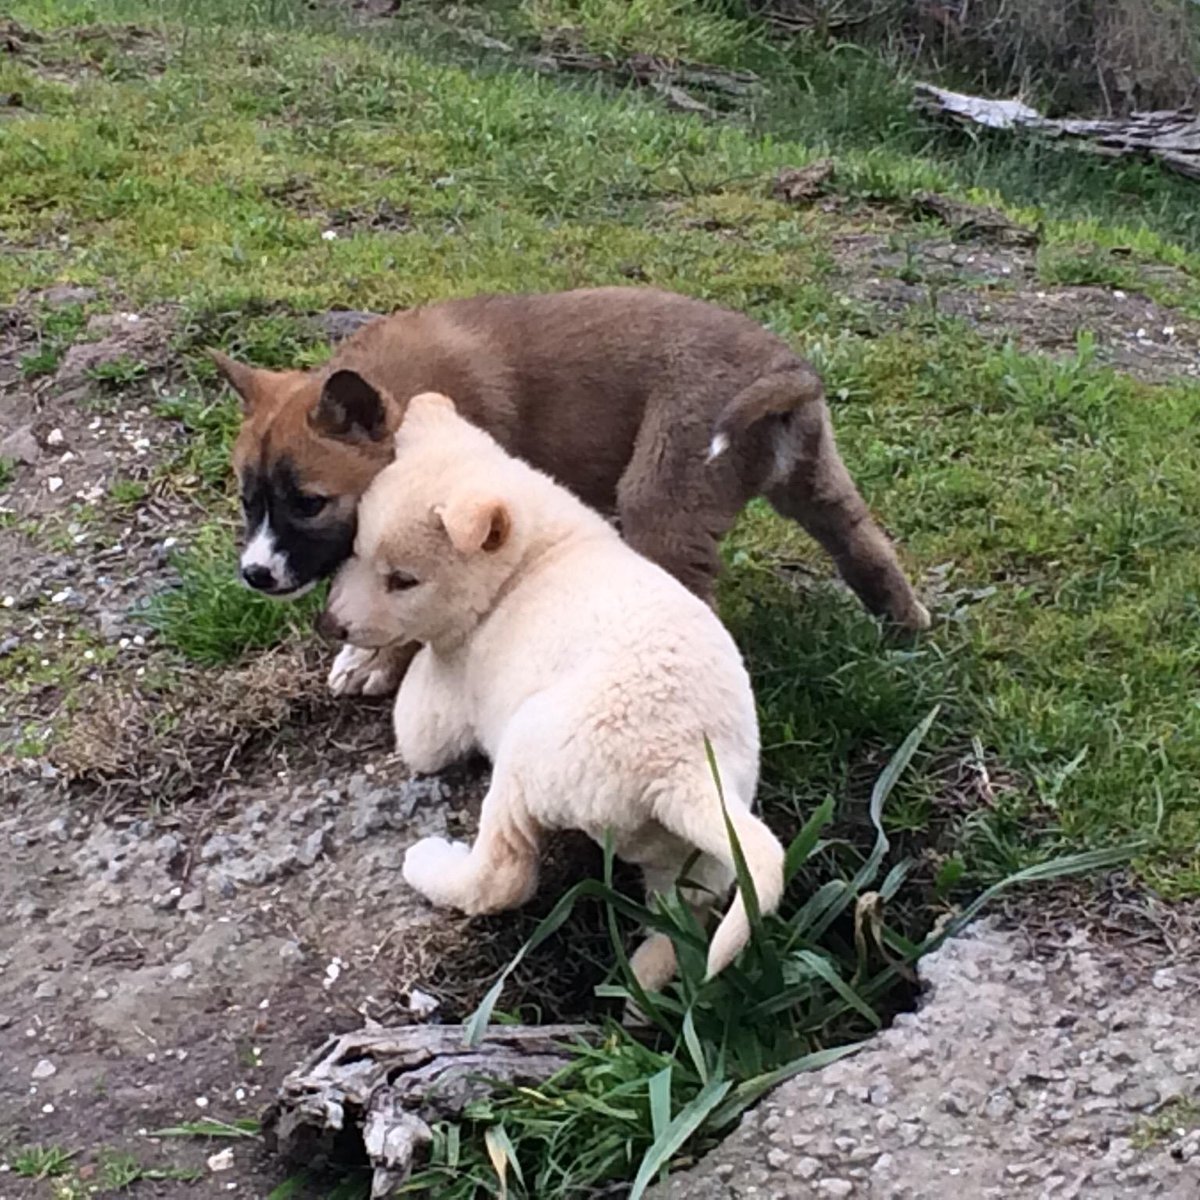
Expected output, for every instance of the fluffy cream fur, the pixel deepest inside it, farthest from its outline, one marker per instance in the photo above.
(588, 675)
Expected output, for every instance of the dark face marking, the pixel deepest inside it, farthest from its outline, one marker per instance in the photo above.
(294, 536)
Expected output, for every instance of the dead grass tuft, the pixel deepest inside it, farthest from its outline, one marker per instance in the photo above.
(205, 729)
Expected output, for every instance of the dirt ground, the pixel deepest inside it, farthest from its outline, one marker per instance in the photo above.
(187, 907)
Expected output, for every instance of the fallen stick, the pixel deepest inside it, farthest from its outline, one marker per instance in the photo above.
(1170, 137)
(381, 1090)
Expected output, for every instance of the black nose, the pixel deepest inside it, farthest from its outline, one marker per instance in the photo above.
(259, 577)
(330, 628)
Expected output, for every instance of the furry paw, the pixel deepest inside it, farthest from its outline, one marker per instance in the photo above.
(920, 618)
(433, 867)
(358, 672)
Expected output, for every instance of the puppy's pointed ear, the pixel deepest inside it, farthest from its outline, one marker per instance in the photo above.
(244, 379)
(424, 408)
(431, 402)
(476, 523)
(350, 409)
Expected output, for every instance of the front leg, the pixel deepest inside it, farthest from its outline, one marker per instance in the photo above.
(498, 872)
(430, 719)
(359, 672)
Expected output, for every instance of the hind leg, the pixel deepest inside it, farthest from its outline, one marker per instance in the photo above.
(675, 507)
(821, 496)
(654, 963)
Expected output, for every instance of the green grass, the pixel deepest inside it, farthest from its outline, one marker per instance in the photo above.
(57, 330)
(1048, 506)
(210, 617)
(41, 1162)
(699, 30)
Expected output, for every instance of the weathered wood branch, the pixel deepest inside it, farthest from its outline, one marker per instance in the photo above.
(1170, 137)
(382, 1089)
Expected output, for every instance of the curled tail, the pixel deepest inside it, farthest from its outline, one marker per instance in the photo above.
(764, 862)
(704, 827)
(773, 395)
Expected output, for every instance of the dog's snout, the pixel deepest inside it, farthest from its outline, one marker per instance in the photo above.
(259, 577)
(330, 628)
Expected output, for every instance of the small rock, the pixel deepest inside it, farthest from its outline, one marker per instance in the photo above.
(183, 970)
(806, 1168)
(54, 437)
(339, 324)
(835, 1188)
(57, 829)
(291, 952)
(1106, 1083)
(46, 991)
(778, 1160)
(191, 902)
(312, 848)
(111, 625)
(222, 1161)
(44, 1069)
(21, 446)
(422, 1004)
(220, 845)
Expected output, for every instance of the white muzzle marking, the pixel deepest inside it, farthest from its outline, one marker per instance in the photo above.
(261, 554)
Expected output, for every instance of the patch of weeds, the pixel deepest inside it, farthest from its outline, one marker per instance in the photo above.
(1174, 1119)
(41, 1162)
(259, 333)
(8, 471)
(211, 617)
(118, 1171)
(53, 663)
(125, 493)
(57, 330)
(210, 426)
(1073, 265)
(118, 373)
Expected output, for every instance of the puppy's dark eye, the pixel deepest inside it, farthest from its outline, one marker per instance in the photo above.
(399, 581)
(308, 505)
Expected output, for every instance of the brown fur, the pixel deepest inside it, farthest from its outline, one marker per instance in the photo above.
(616, 392)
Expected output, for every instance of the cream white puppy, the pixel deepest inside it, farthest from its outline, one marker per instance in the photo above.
(588, 675)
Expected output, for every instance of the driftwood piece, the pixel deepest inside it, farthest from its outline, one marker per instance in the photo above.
(1170, 137)
(803, 185)
(968, 221)
(669, 78)
(378, 1091)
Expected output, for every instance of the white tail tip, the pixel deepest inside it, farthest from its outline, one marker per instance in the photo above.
(718, 447)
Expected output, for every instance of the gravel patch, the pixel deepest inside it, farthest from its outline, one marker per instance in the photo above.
(1022, 1074)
